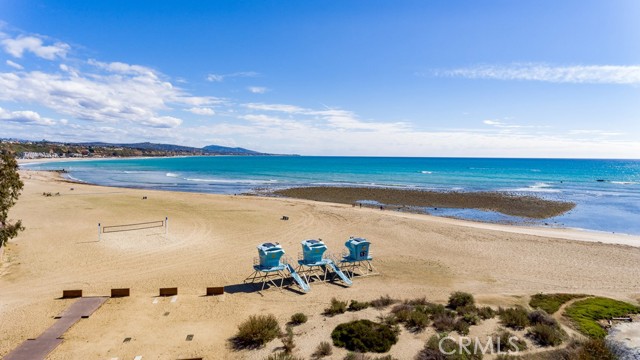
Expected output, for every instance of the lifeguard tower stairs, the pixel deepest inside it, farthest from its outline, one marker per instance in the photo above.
(269, 267)
(312, 263)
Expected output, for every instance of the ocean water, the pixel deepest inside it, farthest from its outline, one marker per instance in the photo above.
(607, 192)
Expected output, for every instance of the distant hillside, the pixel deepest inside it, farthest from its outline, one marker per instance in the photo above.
(48, 149)
(217, 149)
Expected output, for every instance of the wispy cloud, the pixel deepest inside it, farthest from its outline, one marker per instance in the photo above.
(576, 74)
(14, 65)
(257, 89)
(222, 77)
(21, 44)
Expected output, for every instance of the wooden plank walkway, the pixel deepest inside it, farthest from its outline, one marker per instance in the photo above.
(39, 348)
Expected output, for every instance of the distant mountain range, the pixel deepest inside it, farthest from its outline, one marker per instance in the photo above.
(210, 149)
(45, 148)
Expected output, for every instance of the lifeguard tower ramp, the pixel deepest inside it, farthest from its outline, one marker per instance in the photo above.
(357, 261)
(313, 264)
(269, 267)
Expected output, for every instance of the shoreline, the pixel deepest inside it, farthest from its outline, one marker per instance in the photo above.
(564, 233)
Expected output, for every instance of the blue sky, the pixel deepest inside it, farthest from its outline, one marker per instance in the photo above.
(528, 78)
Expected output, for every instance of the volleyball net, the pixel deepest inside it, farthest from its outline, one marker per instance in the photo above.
(133, 227)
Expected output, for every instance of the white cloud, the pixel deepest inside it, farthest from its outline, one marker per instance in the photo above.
(222, 77)
(14, 65)
(25, 117)
(18, 46)
(202, 111)
(577, 74)
(275, 107)
(335, 118)
(122, 68)
(257, 89)
(112, 92)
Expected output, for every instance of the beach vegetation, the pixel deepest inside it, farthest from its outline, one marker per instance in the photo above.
(591, 349)
(541, 317)
(546, 335)
(383, 302)
(444, 322)
(586, 314)
(506, 341)
(283, 356)
(460, 299)
(358, 305)
(486, 312)
(435, 349)
(324, 349)
(298, 319)
(516, 318)
(336, 307)
(361, 356)
(256, 331)
(288, 343)
(552, 302)
(365, 336)
(10, 188)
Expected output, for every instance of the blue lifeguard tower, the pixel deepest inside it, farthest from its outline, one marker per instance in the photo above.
(312, 263)
(357, 261)
(270, 267)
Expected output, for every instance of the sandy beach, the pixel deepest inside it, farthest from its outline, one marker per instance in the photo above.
(212, 242)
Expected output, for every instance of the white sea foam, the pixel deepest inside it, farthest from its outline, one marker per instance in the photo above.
(169, 174)
(537, 187)
(426, 172)
(625, 182)
(232, 181)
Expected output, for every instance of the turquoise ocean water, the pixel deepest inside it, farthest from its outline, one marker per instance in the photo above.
(607, 192)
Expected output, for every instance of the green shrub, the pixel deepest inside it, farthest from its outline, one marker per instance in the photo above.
(360, 356)
(336, 307)
(585, 313)
(288, 343)
(256, 331)
(358, 305)
(541, 317)
(283, 356)
(365, 336)
(486, 313)
(298, 318)
(444, 322)
(389, 319)
(504, 341)
(461, 327)
(551, 302)
(431, 350)
(436, 309)
(546, 335)
(402, 312)
(516, 318)
(417, 321)
(382, 302)
(471, 319)
(418, 301)
(323, 349)
(460, 299)
(595, 349)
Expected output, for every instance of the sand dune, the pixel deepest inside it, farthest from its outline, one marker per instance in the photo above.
(212, 241)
